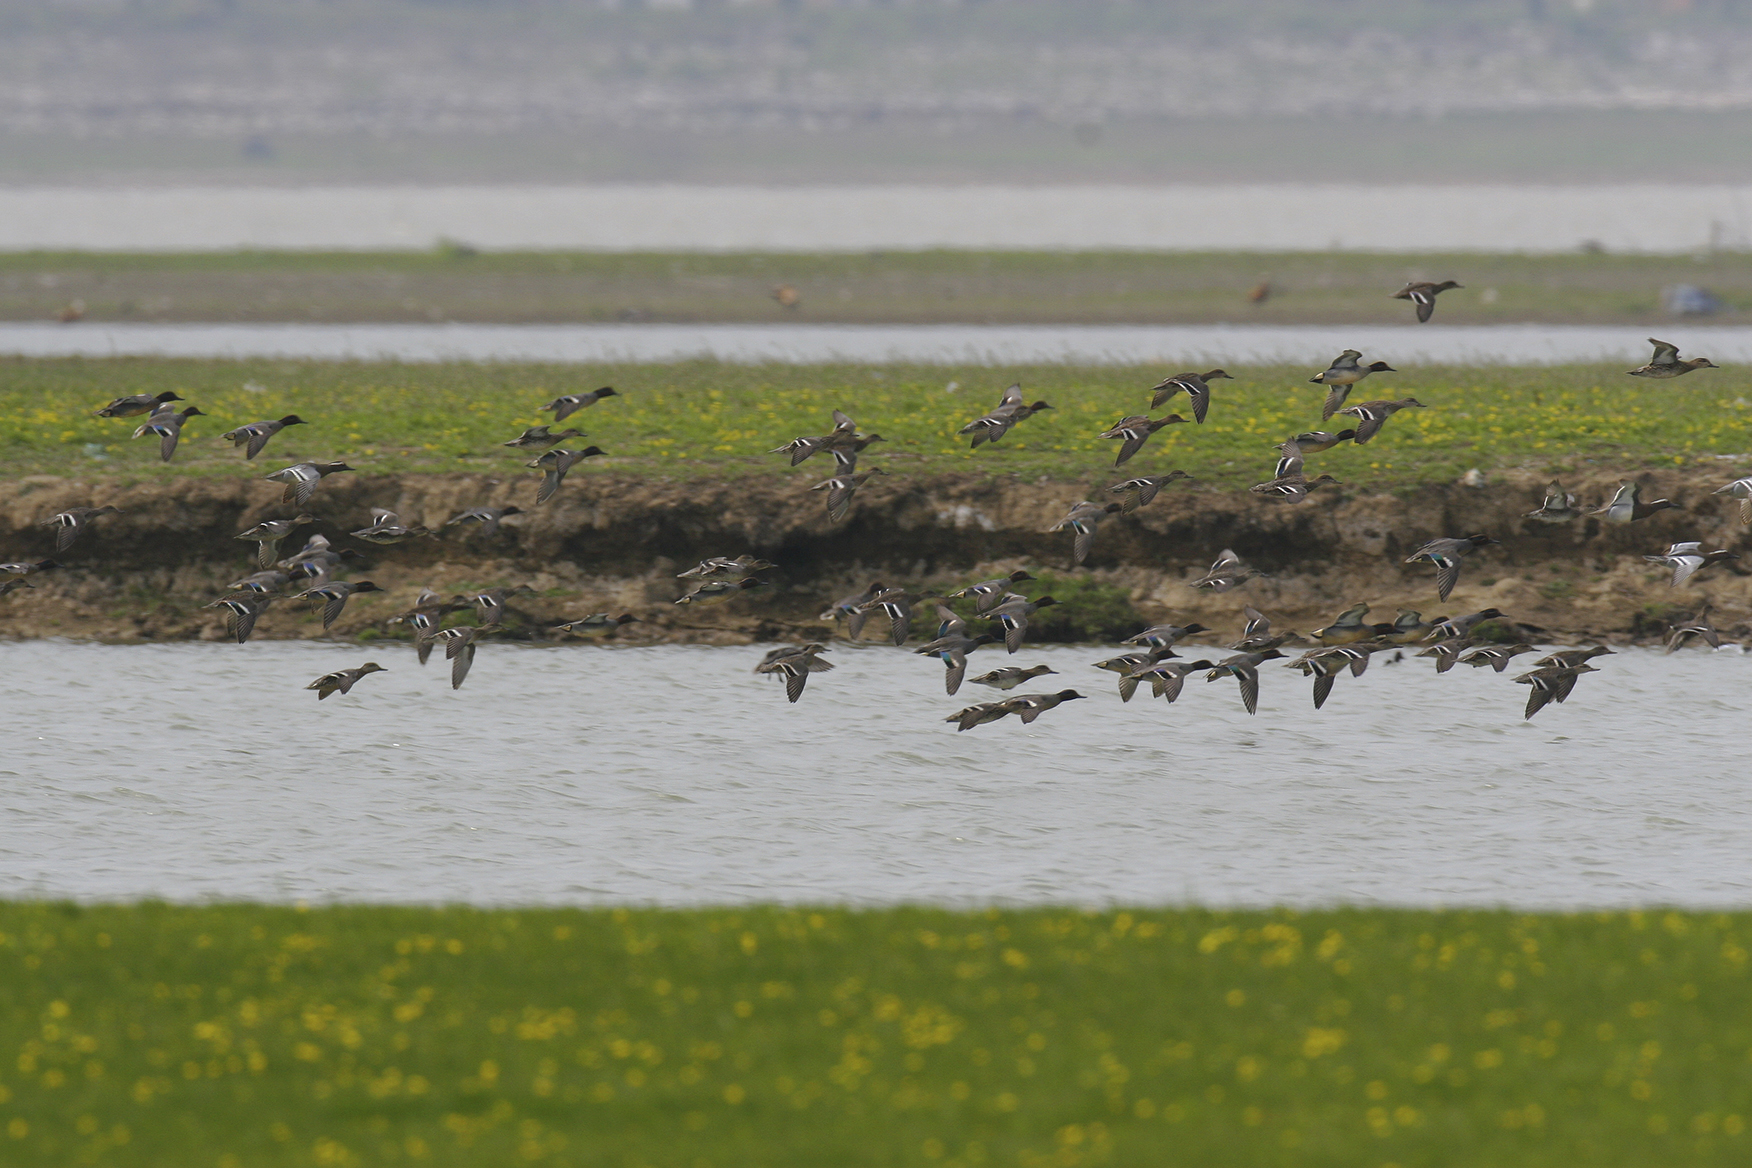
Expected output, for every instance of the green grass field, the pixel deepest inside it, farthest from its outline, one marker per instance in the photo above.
(701, 418)
(454, 283)
(227, 1036)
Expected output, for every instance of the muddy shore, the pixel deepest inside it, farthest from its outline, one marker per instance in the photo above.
(615, 545)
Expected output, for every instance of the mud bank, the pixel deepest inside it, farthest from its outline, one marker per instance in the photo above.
(616, 544)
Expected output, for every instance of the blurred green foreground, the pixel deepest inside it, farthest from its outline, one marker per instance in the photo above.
(233, 1036)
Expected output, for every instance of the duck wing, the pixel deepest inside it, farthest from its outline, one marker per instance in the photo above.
(258, 439)
(955, 668)
(1369, 422)
(551, 478)
(839, 500)
(1081, 543)
(1323, 683)
(1537, 698)
(1665, 353)
(1335, 396)
(167, 437)
(1135, 437)
(1249, 679)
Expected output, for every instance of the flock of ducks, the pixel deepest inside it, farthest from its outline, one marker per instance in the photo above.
(1346, 644)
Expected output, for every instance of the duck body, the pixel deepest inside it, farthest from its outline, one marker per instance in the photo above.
(1194, 385)
(1140, 492)
(1740, 489)
(387, 528)
(1666, 363)
(541, 438)
(1687, 559)
(168, 426)
(341, 681)
(795, 663)
(1011, 676)
(1082, 521)
(1423, 294)
(1244, 668)
(137, 404)
(1558, 506)
(1345, 371)
(68, 525)
(1134, 431)
(254, 437)
(565, 407)
(1229, 571)
(1371, 416)
(1446, 555)
(1627, 505)
(489, 518)
(300, 480)
(554, 465)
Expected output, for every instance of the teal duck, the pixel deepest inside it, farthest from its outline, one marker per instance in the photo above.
(1194, 385)
(841, 489)
(1371, 416)
(1011, 676)
(565, 407)
(1627, 505)
(1446, 555)
(1558, 506)
(725, 568)
(1553, 683)
(168, 426)
(1496, 656)
(1013, 614)
(795, 663)
(1699, 626)
(68, 525)
(596, 624)
(489, 604)
(1740, 489)
(1293, 489)
(1229, 571)
(715, 591)
(254, 437)
(137, 404)
(387, 528)
(341, 681)
(1244, 668)
(952, 649)
(1134, 431)
(301, 480)
(1082, 520)
(334, 597)
(988, 593)
(554, 465)
(1686, 559)
(541, 438)
(1423, 294)
(1140, 492)
(1666, 363)
(488, 517)
(1345, 371)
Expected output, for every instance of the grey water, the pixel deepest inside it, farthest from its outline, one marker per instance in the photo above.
(673, 775)
(1653, 217)
(873, 344)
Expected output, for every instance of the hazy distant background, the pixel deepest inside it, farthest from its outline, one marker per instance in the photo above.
(809, 91)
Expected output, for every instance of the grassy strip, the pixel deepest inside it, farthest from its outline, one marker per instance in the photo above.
(455, 283)
(243, 1035)
(706, 418)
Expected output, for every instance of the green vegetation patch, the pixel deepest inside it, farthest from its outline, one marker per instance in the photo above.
(243, 1035)
(455, 282)
(707, 417)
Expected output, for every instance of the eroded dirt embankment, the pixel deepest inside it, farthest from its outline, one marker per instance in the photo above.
(615, 544)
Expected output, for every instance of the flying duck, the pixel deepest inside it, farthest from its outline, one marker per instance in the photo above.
(1345, 371)
(1423, 294)
(1134, 431)
(554, 465)
(1139, 492)
(1627, 505)
(1687, 558)
(341, 680)
(1193, 385)
(1373, 415)
(168, 426)
(488, 517)
(255, 435)
(301, 479)
(1083, 519)
(1446, 554)
(565, 407)
(1666, 363)
(69, 524)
